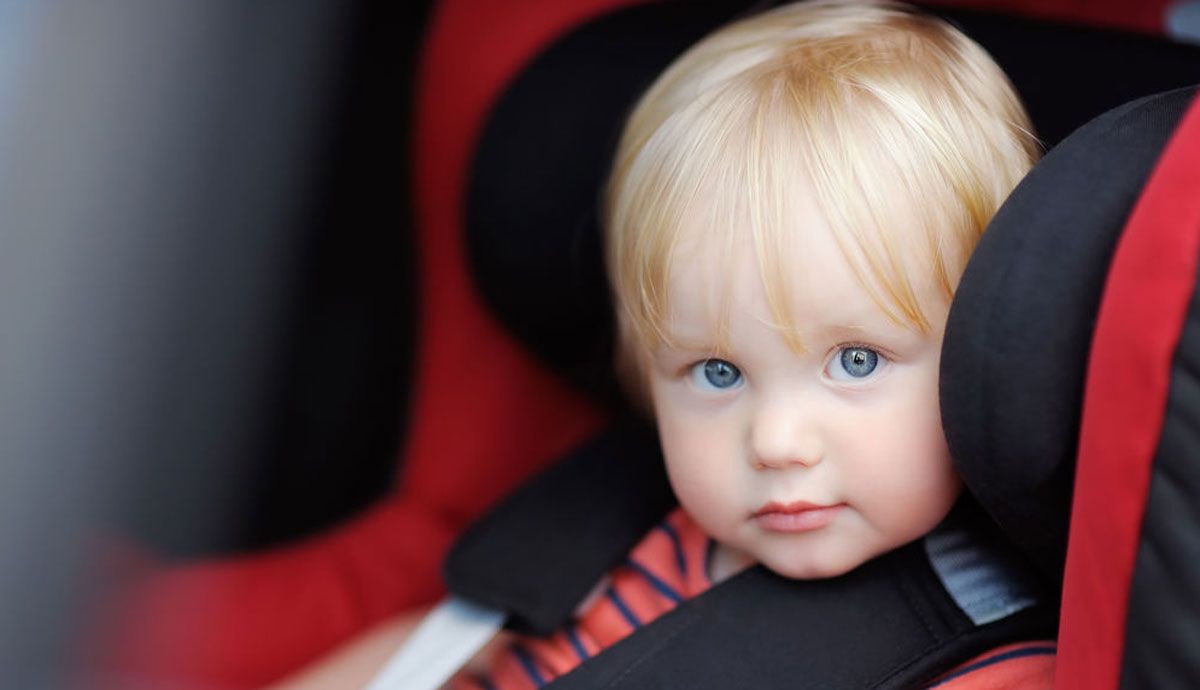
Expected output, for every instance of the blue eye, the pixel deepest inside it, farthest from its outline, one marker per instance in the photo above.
(854, 363)
(716, 374)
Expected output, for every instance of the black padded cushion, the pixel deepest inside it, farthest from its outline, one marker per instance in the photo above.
(533, 235)
(532, 225)
(1019, 332)
(538, 553)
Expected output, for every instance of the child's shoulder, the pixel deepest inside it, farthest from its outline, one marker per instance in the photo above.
(676, 550)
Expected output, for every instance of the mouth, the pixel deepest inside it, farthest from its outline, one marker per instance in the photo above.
(799, 516)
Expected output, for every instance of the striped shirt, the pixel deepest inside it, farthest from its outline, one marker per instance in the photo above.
(669, 565)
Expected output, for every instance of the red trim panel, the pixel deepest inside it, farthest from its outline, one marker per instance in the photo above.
(1150, 286)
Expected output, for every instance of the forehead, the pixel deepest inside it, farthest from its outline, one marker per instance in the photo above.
(803, 287)
(778, 256)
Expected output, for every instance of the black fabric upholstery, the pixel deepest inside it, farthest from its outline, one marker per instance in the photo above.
(1163, 624)
(1067, 75)
(1017, 340)
(887, 624)
(532, 225)
(540, 551)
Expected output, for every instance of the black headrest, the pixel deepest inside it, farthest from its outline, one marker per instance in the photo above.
(532, 227)
(1020, 328)
(535, 185)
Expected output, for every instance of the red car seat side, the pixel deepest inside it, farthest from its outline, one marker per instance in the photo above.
(1147, 295)
(485, 417)
(517, 416)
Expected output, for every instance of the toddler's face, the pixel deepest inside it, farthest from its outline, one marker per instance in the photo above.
(809, 463)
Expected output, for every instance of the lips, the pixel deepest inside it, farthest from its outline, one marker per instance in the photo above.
(799, 516)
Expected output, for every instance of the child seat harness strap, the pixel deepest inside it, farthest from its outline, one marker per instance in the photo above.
(539, 552)
(888, 624)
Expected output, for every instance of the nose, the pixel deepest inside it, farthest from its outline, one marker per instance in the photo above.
(783, 434)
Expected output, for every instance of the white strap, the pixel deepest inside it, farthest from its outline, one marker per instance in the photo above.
(444, 641)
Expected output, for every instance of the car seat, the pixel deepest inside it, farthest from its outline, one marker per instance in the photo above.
(479, 326)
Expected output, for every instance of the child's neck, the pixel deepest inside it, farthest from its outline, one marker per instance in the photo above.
(726, 562)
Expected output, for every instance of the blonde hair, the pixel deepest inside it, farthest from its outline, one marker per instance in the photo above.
(877, 106)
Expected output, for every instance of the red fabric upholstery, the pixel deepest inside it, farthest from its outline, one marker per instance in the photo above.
(1150, 285)
(485, 417)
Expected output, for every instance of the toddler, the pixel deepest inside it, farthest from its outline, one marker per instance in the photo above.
(790, 209)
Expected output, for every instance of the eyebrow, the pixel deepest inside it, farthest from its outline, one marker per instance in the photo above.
(852, 332)
(698, 347)
(841, 332)
(886, 335)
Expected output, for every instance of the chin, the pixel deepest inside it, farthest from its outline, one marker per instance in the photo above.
(812, 568)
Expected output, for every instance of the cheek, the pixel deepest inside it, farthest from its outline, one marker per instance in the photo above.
(699, 458)
(905, 464)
